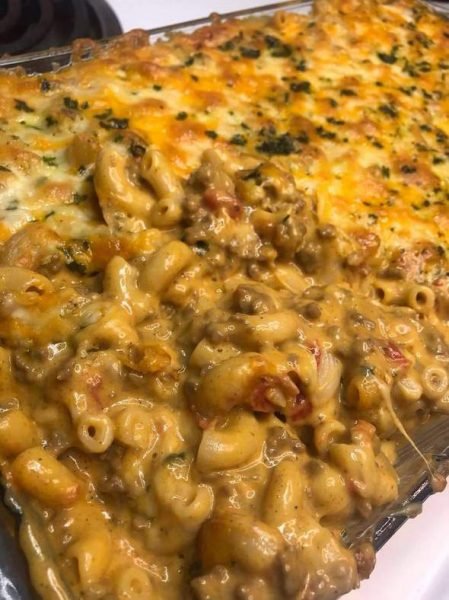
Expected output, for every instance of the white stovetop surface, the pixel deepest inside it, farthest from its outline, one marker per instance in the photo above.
(414, 564)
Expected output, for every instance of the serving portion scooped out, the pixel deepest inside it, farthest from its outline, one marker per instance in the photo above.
(223, 300)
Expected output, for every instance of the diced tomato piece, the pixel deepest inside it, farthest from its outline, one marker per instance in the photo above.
(315, 349)
(259, 401)
(302, 408)
(393, 353)
(216, 199)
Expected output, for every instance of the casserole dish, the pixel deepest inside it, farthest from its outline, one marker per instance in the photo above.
(386, 521)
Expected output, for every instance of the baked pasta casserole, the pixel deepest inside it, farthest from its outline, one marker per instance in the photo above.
(223, 299)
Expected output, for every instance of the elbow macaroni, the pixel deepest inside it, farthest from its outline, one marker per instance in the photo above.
(216, 327)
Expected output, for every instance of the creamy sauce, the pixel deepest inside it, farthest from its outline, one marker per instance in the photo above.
(223, 300)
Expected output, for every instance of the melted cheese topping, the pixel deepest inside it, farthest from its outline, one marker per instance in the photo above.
(223, 294)
(362, 117)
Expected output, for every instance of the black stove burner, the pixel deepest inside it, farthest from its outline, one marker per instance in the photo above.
(27, 25)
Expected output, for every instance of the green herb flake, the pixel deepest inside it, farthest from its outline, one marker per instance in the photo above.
(278, 48)
(13, 205)
(334, 121)
(272, 41)
(389, 110)
(114, 123)
(238, 140)
(137, 150)
(79, 198)
(301, 86)
(45, 85)
(22, 106)
(106, 114)
(50, 161)
(388, 59)
(441, 137)
(282, 145)
(325, 133)
(181, 116)
(201, 247)
(70, 103)
(227, 46)
(5, 169)
(385, 171)
(211, 134)
(347, 92)
(249, 52)
(408, 169)
(50, 121)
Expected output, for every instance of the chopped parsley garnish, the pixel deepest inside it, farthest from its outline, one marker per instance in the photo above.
(278, 48)
(347, 92)
(227, 46)
(78, 198)
(238, 140)
(5, 169)
(407, 169)
(249, 52)
(137, 150)
(181, 116)
(114, 123)
(408, 91)
(441, 137)
(71, 103)
(105, 114)
(200, 247)
(335, 121)
(283, 51)
(50, 161)
(277, 144)
(385, 171)
(390, 58)
(272, 41)
(77, 255)
(211, 134)
(157, 87)
(45, 85)
(50, 121)
(13, 205)
(23, 106)
(389, 110)
(301, 86)
(325, 134)
(423, 66)
(301, 65)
